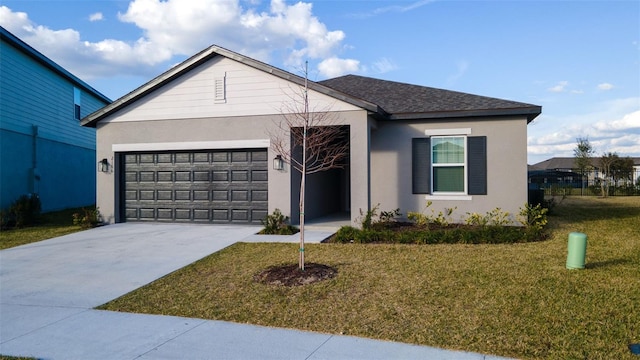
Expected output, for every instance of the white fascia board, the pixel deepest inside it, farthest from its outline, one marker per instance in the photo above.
(193, 145)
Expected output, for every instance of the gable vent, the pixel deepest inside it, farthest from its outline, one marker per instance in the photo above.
(220, 95)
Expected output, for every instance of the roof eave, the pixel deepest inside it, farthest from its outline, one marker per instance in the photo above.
(530, 113)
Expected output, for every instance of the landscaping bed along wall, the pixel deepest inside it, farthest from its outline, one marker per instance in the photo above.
(494, 227)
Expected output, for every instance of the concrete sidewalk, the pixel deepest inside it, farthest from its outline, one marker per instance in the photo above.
(48, 291)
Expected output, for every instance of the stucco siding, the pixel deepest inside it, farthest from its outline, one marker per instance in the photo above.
(210, 130)
(248, 92)
(391, 163)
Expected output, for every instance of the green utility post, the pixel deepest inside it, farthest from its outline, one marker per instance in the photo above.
(577, 250)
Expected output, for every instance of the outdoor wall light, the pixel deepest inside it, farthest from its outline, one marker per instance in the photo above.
(278, 163)
(103, 165)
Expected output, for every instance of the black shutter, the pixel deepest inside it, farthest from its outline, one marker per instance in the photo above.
(421, 165)
(477, 162)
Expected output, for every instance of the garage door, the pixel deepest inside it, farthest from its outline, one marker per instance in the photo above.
(210, 186)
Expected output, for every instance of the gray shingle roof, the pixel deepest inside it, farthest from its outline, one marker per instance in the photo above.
(567, 163)
(408, 101)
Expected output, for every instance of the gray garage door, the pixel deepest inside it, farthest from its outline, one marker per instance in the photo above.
(214, 186)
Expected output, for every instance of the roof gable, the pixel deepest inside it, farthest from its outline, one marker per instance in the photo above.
(407, 101)
(204, 56)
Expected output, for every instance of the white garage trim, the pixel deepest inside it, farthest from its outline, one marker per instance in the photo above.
(193, 145)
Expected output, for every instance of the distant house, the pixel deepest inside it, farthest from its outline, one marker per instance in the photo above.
(43, 148)
(563, 171)
(193, 145)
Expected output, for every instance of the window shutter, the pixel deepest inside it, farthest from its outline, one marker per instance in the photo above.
(477, 162)
(421, 165)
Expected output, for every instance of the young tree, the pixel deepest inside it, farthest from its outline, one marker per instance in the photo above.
(622, 169)
(310, 141)
(583, 153)
(607, 162)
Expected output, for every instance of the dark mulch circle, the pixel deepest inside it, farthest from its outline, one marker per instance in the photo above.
(291, 275)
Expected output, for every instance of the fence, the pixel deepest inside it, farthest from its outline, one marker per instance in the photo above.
(555, 182)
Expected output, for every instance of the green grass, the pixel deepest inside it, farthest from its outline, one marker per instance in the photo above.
(51, 225)
(514, 300)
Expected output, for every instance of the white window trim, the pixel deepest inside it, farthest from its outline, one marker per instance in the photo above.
(449, 195)
(447, 132)
(193, 145)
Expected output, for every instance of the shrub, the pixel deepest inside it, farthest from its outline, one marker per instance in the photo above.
(346, 234)
(374, 220)
(417, 218)
(277, 224)
(440, 219)
(88, 218)
(495, 217)
(534, 217)
(367, 218)
(23, 212)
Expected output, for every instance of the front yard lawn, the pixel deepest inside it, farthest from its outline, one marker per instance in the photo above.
(50, 225)
(515, 300)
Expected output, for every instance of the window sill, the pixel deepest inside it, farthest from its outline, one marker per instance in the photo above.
(449, 197)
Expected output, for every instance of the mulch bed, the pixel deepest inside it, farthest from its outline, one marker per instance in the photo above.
(291, 275)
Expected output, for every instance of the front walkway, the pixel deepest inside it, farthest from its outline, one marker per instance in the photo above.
(48, 291)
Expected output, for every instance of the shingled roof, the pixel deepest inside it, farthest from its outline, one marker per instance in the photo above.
(407, 101)
(566, 163)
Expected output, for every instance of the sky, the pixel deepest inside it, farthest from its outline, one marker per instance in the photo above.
(579, 60)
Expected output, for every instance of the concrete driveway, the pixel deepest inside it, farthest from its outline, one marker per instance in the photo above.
(48, 291)
(89, 268)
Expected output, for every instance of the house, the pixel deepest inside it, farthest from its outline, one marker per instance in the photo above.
(194, 145)
(43, 148)
(563, 171)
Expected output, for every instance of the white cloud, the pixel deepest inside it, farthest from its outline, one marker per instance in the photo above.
(96, 17)
(383, 65)
(173, 29)
(333, 67)
(559, 87)
(613, 126)
(393, 8)
(462, 67)
(605, 86)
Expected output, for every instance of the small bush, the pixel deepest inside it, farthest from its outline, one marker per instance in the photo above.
(23, 212)
(277, 224)
(495, 217)
(374, 220)
(439, 219)
(346, 234)
(87, 218)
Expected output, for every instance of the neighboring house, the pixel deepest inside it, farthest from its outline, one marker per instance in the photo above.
(43, 148)
(193, 144)
(563, 171)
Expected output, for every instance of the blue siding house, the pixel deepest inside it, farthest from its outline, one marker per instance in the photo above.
(43, 148)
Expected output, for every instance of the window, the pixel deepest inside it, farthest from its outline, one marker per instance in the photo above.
(76, 103)
(446, 165)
